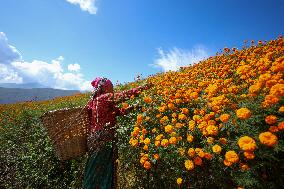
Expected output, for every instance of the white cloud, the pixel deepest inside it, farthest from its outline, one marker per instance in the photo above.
(8, 75)
(13, 69)
(8, 53)
(176, 58)
(74, 67)
(85, 5)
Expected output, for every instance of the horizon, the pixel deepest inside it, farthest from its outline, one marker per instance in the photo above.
(65, 44)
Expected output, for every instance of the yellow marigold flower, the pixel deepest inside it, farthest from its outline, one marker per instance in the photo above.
(159, 137)
(164, 119)
(271, 119)
(173, 140)
(133, 142)
(147, 141)
(191, 152)
(247, 143)
(268, 139)
(281, 109)
(191, 125)
(216, 149)
(249, 155)
(212, 130)
(189, 165)
(143, 159)
(157, 143)
(254, 89)
(197, 161)
(165, 142)
(154, 130)
(189, 138)
(210, 140)
(181, 151)
(169, 128)
(232, 156)
(196, 117)
(182, 117)
(225, 118)
(243, 113)
(194, 95)
(162, 108)
(179, 181)
(174, 115)
(146, 147)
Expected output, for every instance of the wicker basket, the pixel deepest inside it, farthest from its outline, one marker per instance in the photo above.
(67, 129)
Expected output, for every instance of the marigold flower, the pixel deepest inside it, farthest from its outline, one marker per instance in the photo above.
(181, 151)
(273, 129)
(249, 155)
(216, 149)
(212, 130)
(157, 143)
(191, 152)
(147, 165)
(243, 113)
(173, 140)
(277, 90)
(165, 142)
(247, 143)
(210, 140)
(189, 138)
(189, 165)
(268, 139)
(244, 166)
(179, 181)
(232, 156)
(281, 126)
(271, 119)
(147, 141)
(197, 161)
(225, 118)
(147, 99)
(223, 140)
(156, 156)
(281, 109)
(171, 106)
(185, 111)
(146, 147)
(169, 129)
(227, 163)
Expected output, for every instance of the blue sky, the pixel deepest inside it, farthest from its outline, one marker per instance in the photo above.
(120, 39)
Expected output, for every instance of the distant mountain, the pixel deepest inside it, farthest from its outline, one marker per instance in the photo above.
(22, 85)
(13, 95)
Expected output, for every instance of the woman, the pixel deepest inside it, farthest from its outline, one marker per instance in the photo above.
(103, 109)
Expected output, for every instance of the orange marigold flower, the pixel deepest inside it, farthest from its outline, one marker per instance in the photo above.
(281, 126)
(223, 140)
(185, 111)
(156, 156)
(225, 118)
(191, 152)
(227, 163)
(146, 148)
(254, 88)
(216, 149)
(173, 140)
(208, 156)
(244, 166)
(268, 139)
(147, 165)
(189, 165)
(182, 117)
(147, 99)
(271, 119)
(212, 130)
(249, 155)
(197, 161)
(157, 143)
(232, 156)
(139, 118)
(210, 140)
(277, 90)
(273, 129)
(247, 143)
(243, 113)
(179, 181)
(171, 106)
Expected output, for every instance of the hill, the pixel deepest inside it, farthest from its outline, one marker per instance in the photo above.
(13, 95)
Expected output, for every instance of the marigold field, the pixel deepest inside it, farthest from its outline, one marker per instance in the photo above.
(216, 124)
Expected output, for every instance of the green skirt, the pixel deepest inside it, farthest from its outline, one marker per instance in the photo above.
(99, 171)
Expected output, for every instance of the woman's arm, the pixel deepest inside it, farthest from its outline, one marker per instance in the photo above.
(125, 95)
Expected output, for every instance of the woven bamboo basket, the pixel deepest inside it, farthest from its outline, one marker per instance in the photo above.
(67, 129)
